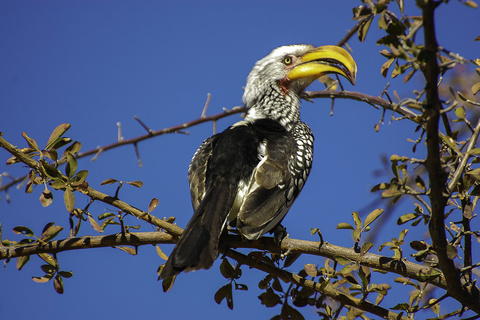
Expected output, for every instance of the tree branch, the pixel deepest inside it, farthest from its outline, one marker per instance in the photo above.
(326, 289)
(94, 194)
(327, 250)
(134, 141)
(86, 242)
(154, 133)
(358, 96)
(436, 173)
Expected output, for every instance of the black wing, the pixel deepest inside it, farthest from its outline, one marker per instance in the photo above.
(277, 179)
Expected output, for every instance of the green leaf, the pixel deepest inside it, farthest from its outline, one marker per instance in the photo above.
(58, 284)
(21, 261)
(451, 252)
(66, 274)
(241, 286)
(106, 215)
(48, 259)
(460, 113)
(357, 220)
(73, 148)
(226, 269)
(344, 225)
(51, 233)
(356, 235)
(476, 88)
(128, 250)
(420, 182)
(471, 4)
(403, 233)
(380, 186)
(71, 167)
(32, 143)
(56, 134)
(363, 29)
(435, 306)
(60, 143)
(386, 66)
(97, 227)
(311, 270)
(365, 247)
(474, 151)
(69, 199)
(153, 204)
(136, 183)
(161, 254)
(406, 217)
(225, 292)
(288, 312)
(372, 216)
(291, 258)
(23, 230)
(108, 181)
(46, 198)
(427, 275)
(342, 260)
(41, 279)
(405, 281)
(276, 285)
(475, 173)
(269, 299)
(52, 154)
(58, 184)
(48, 269)
(418, 245)
(82, 175)
(51, 171)
(461, 96)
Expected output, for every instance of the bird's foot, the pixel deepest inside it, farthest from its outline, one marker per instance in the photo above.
(279, 234)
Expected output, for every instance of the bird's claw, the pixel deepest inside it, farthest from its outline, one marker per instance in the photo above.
(279, 234)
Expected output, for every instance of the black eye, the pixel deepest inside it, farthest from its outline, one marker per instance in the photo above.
(287, 60)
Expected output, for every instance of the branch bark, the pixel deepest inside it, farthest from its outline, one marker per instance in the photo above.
(326, 289)
(327, 250)
(436, 173)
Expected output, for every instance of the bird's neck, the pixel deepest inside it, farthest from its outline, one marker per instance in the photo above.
(283, 107)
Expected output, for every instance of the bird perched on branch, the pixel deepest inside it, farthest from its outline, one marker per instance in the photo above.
(249, 175)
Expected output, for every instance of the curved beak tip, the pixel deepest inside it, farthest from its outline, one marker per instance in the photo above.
(324, 60)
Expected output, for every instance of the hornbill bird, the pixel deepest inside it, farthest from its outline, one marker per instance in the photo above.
(249, 175)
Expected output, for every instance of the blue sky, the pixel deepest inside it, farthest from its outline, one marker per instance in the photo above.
(95, 63)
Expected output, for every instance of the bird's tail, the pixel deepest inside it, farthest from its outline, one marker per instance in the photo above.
(197, 248)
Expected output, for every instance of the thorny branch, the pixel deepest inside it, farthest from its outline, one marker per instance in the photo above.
(401, 109)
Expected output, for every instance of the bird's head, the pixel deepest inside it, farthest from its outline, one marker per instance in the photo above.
(291, 69)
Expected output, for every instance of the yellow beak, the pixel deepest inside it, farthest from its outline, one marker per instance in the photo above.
(323, 60)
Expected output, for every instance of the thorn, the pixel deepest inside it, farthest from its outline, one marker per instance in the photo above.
(331, 107)
(100, 150)
(205, 107)
(119, 132)
(214, 126)
(334, 83)
(283, 255)
(384, 92)
(138, 155)
(339, 82)
(150, 131)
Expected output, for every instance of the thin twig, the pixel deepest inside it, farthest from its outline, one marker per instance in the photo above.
(205, 107)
